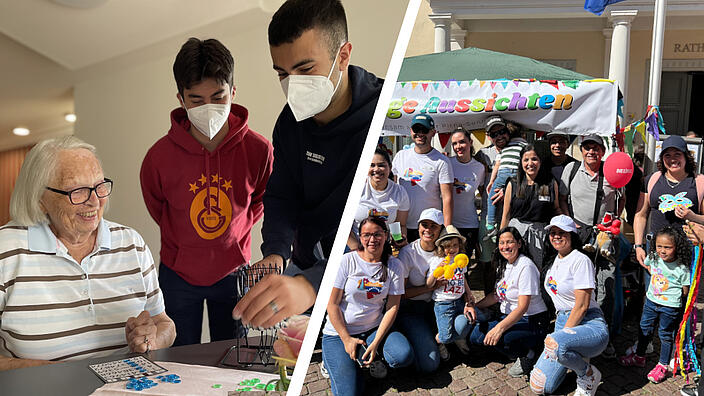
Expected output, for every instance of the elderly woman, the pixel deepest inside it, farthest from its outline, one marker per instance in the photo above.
(73, 285)
(362, 307)
(381, 197)
(524, 319)
(580, 328)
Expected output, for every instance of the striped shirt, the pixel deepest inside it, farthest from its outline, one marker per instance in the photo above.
(54, 308)
(510, 156)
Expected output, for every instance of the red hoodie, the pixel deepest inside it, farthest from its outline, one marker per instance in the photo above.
(204, 238)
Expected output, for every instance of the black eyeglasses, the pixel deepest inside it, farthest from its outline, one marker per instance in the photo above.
(499, 132)
(420, 129)
(81, 195)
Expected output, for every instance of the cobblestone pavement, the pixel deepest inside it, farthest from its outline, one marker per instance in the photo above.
(486, 373)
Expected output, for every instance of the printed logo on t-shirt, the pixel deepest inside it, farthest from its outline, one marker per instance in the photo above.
(413, 176)
(211, 210)
(372, 288)
(501, 290)
(378, 213)
(456, 284)
(459, 186)
(659, 284)
(313, 157)
(552, 284)
(669, 202)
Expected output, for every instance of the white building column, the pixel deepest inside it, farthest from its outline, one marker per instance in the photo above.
(457, 41)
(620, 47)
(443, 31)
(608, 32)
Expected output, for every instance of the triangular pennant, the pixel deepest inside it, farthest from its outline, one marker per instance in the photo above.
(469, 83)
(459, 83)
(640, 127)
(505, 84)
(481, 83)
(552, 83)
(424, 85)
(447, 83)
(516, 82)
(628, 138)
(414, 85)
(571, 83)
(436, 85)
(444, 138)
(480, 135)
(403, 84)
(493, 84)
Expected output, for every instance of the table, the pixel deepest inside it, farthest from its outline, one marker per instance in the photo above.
(74, 378)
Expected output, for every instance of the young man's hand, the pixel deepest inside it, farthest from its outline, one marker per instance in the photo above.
(273, 299)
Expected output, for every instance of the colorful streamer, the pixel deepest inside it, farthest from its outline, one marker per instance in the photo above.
(685, 350)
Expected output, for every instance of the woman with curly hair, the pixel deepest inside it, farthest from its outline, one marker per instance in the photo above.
(668, 263)
(673, 194)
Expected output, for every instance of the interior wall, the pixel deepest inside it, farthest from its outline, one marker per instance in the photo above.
(10, 164)
(123, 105)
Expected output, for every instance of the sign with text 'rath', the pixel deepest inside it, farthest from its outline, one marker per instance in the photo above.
(574, 107)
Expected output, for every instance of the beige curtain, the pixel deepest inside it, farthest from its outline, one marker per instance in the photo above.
(10, 164)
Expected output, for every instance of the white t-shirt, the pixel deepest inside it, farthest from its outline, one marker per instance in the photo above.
(416, 262)
(387, 203)
(421, 175)
(454, 288)
(467, 178)
(575, 271)
(364, 295)
(521, 278)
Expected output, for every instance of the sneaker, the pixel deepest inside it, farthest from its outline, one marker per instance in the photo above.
(462, 346)
(587, 384)
(521, 367)
(324, 371)
(658, 374)
(609, 352)
(444, 353)
(690, 389)
(377, 369)
(632, 349)
(632, 360)
(491, 233)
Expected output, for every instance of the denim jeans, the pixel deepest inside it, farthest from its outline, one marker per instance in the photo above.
(345, 378)
(574, 345)
(184, 305)
(501, 180)
(524, 335)
(668, 322)
(415, 320)
(452, 324)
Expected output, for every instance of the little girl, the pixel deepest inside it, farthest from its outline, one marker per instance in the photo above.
(668, 263)
(452, 313)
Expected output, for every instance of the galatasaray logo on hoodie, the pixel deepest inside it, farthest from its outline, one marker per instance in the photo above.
(211, 210)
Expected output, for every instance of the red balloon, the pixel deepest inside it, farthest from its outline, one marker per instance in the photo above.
(618, 169)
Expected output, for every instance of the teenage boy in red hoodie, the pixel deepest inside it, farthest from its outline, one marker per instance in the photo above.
(203, 184)
(318, 139)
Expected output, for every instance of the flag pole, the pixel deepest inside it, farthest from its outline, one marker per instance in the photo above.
(655, 73)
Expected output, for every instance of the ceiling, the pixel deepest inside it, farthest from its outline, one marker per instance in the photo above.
(46, 45)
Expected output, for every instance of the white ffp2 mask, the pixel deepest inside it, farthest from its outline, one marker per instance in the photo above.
(309, 95)
(209, 118)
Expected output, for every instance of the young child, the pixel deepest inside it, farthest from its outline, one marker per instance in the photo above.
(505, 167)
(668, 263)
(452, 313)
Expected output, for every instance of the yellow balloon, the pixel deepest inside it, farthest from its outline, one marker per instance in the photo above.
(447, 260)
(461, 260)
(439, 271)
(449, 272)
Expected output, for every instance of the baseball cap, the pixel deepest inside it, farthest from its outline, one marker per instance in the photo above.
(675, 141)
(593, 138)
(425, 120)
(557, 133)
(493, 121)
(449, 232)
(563, 222)
(433, 215)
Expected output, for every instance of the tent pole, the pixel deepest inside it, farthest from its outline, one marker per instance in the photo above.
(655, 72)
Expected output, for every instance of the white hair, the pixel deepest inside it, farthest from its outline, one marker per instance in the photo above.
(38, 169)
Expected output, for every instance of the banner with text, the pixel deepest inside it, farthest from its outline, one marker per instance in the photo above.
(574, 107)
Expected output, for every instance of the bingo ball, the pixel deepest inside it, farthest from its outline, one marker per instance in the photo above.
(461, 260)
(439, 271)
(618, 169)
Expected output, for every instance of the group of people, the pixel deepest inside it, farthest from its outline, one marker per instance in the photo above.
(532, 261)
(74, 285)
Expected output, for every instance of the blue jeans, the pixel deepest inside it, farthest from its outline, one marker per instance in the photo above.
(524, 335)
(501, 180)
(184, 305)
(415, 321)
(570, 348)
(345, 377)
(669, 320)
(452, 324)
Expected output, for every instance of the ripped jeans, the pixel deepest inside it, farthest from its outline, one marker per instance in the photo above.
(571, 347)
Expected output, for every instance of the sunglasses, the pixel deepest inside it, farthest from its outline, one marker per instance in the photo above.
(499, 132)
(420, 129)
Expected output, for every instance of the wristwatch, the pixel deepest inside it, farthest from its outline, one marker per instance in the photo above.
(639, 245)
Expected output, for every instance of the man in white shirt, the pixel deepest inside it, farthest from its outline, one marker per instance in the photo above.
(425, 173)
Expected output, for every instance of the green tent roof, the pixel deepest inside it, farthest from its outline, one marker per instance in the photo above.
(474, 63)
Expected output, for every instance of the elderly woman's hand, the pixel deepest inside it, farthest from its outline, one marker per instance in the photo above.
(141, 333)
(273, 299)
